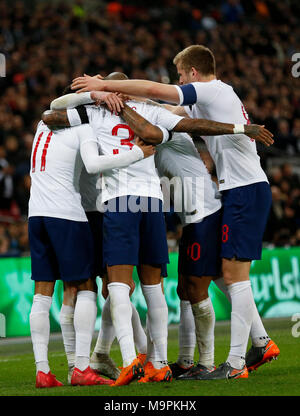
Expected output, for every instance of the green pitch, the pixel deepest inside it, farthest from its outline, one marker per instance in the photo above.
(278, 378)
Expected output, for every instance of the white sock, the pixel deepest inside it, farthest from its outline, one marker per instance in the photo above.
(259, 336)
(157, 323)
(150, 345)
(204, 316)
(66, 319)
(84, 323)
(242, 310)
(40, 330)
(258, 333)
(107, 333)
(140, 338)
(121, 314)
(186, 335)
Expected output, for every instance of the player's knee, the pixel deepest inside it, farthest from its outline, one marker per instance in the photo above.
(89, 284)
(181, 292)
(70, 294)
(196, 294)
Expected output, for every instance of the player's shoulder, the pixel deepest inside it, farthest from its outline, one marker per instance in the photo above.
(82, 131)
(213, 84)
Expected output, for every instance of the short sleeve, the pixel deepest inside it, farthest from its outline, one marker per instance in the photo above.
(198, 92)
(167, 119)
(73, 117)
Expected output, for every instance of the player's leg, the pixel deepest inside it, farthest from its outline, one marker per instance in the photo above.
(263, 349)
(85, 314)
(66, 319)
(139, 335)
(186, 332)
(44, 271)
(199, 261)
(153, 254)
(75, 254)
(120, 277)
(101, 362)
(120, 252)
(156, 367)
(244, 218)
(204, 317)
(40, 324)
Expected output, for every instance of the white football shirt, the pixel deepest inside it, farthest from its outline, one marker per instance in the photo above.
(56, 166)
(116, 137)
(235, 156)
(194, 194)
(89, 191)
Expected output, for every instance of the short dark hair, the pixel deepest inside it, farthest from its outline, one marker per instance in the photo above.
(197, 56)
(67, 90)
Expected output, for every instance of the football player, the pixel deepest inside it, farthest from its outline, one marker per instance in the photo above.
(246, 195)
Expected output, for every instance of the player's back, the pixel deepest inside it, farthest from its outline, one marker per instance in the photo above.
(179, 158)
(235, 156)
(55, 170)
(115, 137)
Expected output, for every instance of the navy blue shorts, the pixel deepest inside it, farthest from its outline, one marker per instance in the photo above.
(245, 214)
(200, 246)
(60, 249)
(134, 237)
(95, 219)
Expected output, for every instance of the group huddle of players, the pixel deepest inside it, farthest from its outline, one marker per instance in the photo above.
(96, 209)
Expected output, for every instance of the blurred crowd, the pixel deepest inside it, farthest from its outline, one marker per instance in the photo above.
(46, 44)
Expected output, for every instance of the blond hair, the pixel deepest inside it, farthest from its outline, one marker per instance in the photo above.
(197, 56)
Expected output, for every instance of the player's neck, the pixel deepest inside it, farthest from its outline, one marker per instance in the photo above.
(205, 78)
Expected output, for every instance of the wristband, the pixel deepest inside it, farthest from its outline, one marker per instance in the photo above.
(239, 128)
(167, 134)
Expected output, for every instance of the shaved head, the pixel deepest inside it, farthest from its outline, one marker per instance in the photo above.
(119, 76)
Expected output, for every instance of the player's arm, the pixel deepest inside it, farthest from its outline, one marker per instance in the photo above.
(113, 101)
(65, 118)
(56, 118)
(143, 128)
(203, 127)
(139, 88)
(151, 134)
(175, 109)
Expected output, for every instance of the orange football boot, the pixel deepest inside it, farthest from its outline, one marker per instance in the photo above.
(142, 358)
(258, 356)
(153, 374)
(131, 372)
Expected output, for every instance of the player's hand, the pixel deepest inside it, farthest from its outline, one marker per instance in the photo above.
(259, 133)
(123, 97)
(113, 101)
(147, 149)
(87, 83)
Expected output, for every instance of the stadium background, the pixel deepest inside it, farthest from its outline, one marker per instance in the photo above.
(46, 44)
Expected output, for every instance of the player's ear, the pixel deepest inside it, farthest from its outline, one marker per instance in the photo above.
(194, 72)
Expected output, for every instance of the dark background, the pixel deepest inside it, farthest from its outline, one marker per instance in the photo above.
(46, 44)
